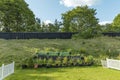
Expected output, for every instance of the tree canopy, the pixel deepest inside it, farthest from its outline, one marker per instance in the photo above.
(79, 18)
(116, 23)
(15, 16)
(82, 20)
(51, 27)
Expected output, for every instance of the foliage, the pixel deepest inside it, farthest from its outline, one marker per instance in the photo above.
(50, 62)
(29, 62)
(89, 33)
(58, 61)
(79, 62)
(65, 61)
(38, 61)
(89, 60)
(16, 16)
(70, 62)
(55, 27)
(116, 24)
(51, 27)
(113, 27)
(19, 50)
(82, 20)
(44, 61)
(107, 28)
(75, 62)
(79, 19)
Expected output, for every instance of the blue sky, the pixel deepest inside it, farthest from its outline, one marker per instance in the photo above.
(49, 10)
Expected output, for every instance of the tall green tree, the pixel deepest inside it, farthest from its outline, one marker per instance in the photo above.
(57, 25)
(15, 16)
(107, 27)
(54, 27)
(38, 25)
(116, 24)
(51, 27)
(79, 19)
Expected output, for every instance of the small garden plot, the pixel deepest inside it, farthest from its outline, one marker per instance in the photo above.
(57, 59)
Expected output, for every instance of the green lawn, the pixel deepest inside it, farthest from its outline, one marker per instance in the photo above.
(74, 73)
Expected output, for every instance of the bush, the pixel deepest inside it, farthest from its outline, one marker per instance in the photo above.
(58, 62)
(65, 61)
(89, 33)
(75, 62)
(79, 62)
(89, 60)
(70, 62)
(44, 61)
(29, 62)
(40, 62)
(50, 62)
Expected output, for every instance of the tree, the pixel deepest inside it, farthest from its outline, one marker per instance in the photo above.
(55, 27)
(116, 24)
(79, 19)
(107, 27)
(38, 25)
(51, 27)
(44, 27)
(16, 16)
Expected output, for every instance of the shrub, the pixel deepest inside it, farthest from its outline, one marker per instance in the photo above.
(74, 62)
(30, 62)
(89, 60)
(70, 62)
(58, 62)
(65, 61)
(40, 62)
(36, 62)
(79, 61)
(50, 62)
(44, 61)
(97, 61)
(88, 33)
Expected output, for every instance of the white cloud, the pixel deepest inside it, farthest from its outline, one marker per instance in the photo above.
(74, 3)
(47, 22)
(105, 22)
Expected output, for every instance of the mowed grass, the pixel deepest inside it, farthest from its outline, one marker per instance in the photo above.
(73, 73)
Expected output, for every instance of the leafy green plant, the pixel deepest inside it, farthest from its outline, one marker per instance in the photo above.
(30, 62)
(89, 60)
(75, 62)
(58, 61)
(36, 63)
(65, 61)
(40, 61)
(44, 61)
(70, 62)
(50, 62)
(79, 61)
